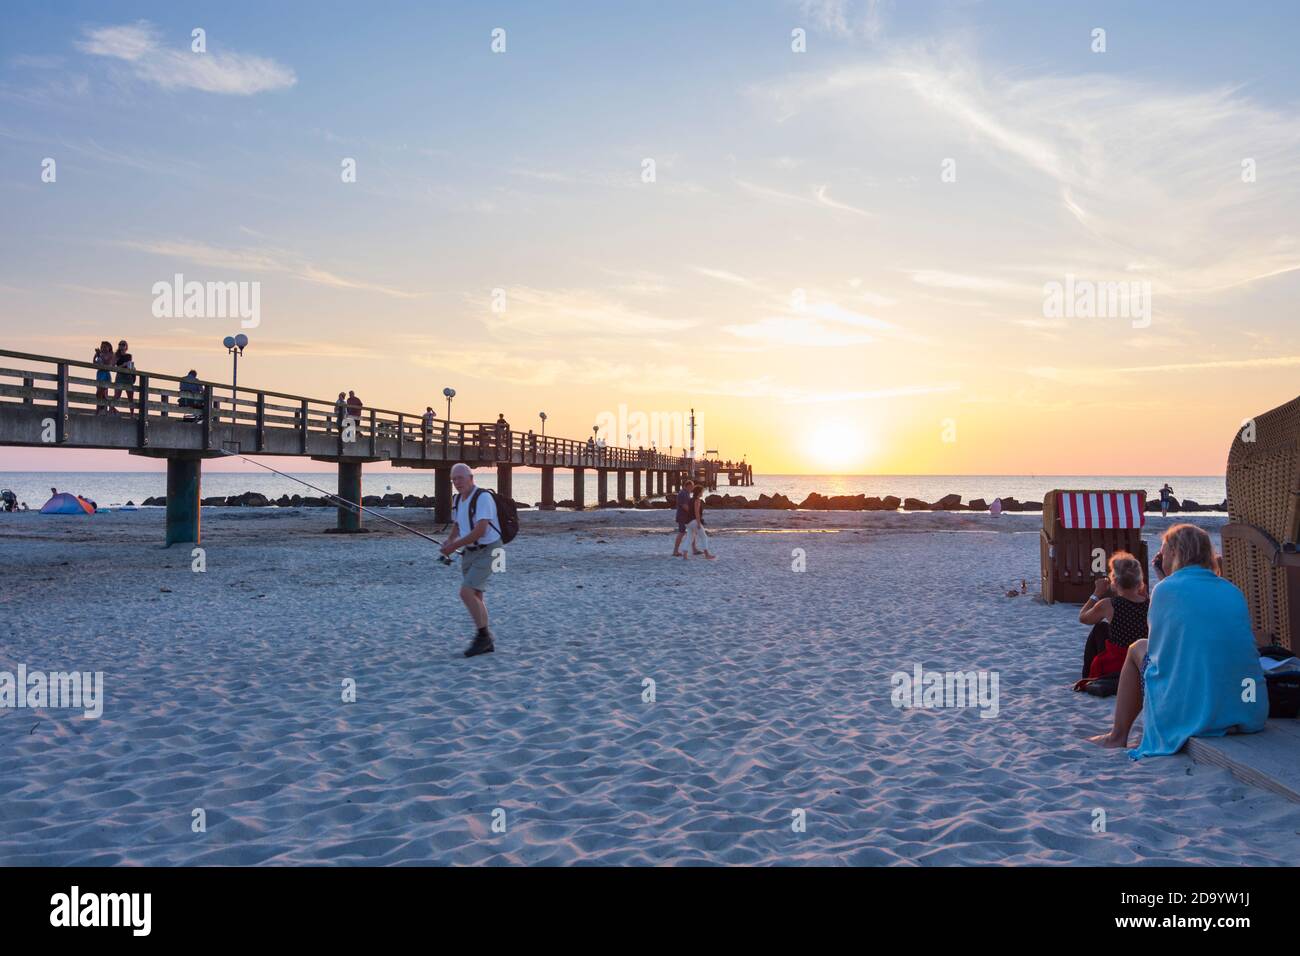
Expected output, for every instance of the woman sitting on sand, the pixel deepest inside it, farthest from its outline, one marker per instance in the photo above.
(1117, 611)
(1198, 674)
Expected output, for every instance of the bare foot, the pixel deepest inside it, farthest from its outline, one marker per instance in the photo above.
(1110, 741)
(710, 557)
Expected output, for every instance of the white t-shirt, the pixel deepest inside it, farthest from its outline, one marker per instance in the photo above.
(486, 508)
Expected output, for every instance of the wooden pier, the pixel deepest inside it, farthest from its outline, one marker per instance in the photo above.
(50, 402)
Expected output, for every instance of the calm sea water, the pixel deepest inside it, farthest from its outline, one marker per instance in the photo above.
(110, 489)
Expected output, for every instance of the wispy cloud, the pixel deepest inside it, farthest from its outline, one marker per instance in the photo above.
(539, 313)
(1144, 172)
(258, 260)
(140, 45)
(846, 18)
(818, 196)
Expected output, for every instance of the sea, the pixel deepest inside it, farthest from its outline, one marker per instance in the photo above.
(115, 489)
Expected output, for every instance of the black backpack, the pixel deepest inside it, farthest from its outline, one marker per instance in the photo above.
(507, 513)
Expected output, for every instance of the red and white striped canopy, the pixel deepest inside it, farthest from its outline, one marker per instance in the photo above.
(1102, 509)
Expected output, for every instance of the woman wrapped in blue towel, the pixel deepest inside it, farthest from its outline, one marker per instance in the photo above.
(1198, 673)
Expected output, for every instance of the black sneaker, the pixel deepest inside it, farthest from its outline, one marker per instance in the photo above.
(482, 645)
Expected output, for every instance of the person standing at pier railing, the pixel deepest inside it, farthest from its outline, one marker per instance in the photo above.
(340, 413)
(354, 408)
(103, 360)
(502, 438)
(429, 416)
(125, 381)
(190, 391)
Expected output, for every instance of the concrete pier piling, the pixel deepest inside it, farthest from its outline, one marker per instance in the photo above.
(184, 478)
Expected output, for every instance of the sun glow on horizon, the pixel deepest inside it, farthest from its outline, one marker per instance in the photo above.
(839, 446)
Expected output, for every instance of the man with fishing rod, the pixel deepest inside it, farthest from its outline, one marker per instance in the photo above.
(478, 531)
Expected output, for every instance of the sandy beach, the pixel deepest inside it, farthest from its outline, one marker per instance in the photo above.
(772, 695)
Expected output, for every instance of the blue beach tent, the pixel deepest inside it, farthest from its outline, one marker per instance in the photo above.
(66, 504)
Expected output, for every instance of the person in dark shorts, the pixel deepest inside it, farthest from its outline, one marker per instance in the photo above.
(684, 516)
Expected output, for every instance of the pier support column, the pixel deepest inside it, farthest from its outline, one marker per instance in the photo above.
(349, 490)
(442, 495)
(184, 475)
(602, 486)
(504, 485)
(622, 486)
(636, 484)
(579, 487)
(548, 488)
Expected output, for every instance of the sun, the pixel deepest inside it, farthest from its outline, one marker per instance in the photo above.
(837, 446)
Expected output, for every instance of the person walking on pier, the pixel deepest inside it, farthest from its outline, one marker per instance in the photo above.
(684, 516)
(478, 532)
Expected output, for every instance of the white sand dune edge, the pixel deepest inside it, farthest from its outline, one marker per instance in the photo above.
(223, 692)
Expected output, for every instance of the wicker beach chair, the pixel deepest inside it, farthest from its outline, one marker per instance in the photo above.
(1081, 530)
(1259, 542)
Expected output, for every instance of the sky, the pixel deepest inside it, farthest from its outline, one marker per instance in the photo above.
(855, 237)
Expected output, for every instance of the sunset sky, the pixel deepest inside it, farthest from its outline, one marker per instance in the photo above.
(800, 270)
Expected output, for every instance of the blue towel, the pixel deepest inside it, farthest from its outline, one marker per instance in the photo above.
(1202, 651)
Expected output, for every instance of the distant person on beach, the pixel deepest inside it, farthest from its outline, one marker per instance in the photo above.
(125, 381)
(684, 516)
(104, 360)
(479, 538)
(1117, 611)
(190, 392)
(698, 534)
(1198, 675)
(1165, 493)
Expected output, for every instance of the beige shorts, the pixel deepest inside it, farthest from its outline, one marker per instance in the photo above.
(476, 566)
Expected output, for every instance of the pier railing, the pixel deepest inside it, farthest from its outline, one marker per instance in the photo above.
(61, 391)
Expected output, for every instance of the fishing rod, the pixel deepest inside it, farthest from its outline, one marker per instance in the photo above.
(351, 504)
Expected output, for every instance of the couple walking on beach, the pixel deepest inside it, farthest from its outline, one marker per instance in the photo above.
(690, 517)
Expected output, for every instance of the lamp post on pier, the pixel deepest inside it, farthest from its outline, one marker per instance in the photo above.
(235, 347)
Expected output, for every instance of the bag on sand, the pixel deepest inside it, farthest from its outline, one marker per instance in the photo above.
(1283, 686)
